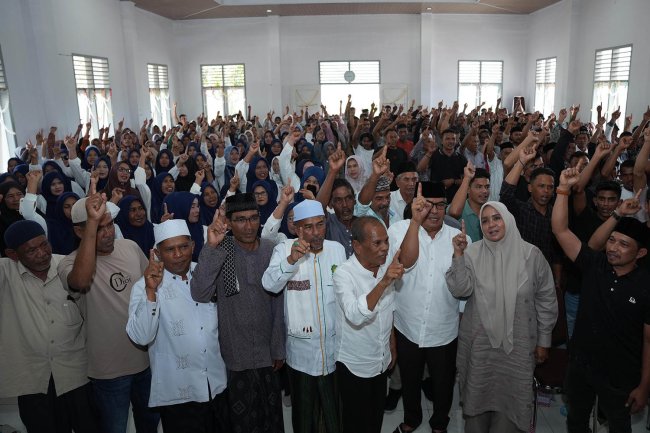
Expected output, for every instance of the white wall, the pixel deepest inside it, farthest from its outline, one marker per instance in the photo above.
(37, 38)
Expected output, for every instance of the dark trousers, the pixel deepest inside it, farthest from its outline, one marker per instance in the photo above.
(193, 417)
(583, 385)
(255, 401)
(114, 396)
(314, 403)
(362, 400)
(441, 362)
(47, 413)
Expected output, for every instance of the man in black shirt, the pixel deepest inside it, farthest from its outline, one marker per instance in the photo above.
(446, 165)
(610, 347)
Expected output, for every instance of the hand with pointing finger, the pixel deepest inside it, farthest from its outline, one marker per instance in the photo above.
(420, 207)
(299, 248)
(216, 230)
(460, 241)
(395, 270)
(166, 215)
(153, 274)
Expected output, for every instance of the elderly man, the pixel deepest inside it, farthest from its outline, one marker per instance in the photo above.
(102, 272)
(305, 267)
(182, 337)
(374, 197)
(43, 357)
(251, 320)
(364, 287)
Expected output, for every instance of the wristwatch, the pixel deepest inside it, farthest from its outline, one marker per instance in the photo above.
(616, 216)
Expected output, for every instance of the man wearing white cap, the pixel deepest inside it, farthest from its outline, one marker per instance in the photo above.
(305, 266)
(189, 375)
(102, 272)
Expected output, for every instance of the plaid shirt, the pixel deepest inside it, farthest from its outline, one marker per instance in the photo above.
(533, 226)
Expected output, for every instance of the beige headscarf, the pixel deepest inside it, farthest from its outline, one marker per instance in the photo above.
(500, 270)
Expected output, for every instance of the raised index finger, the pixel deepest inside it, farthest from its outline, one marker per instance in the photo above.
(152, 256)
(462, 227)
(638, 194)
(419, 194)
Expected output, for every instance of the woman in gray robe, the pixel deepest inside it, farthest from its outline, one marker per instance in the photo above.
(507, 323)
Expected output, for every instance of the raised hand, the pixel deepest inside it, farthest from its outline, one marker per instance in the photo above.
(199, 176)
(380, 165)
(96, 206)
(646, 135)
(469, 170)
(420, 207)
(307, 194)
(33, 178)
(116, 195)
(153, 273)
(460, 241)
(630, 206)
(286, 195)
(616, 114)
(337, 159)
(395, 269)
(299, 248)
(166, 215)
(234, 182)
(216, 230)
(569, 177)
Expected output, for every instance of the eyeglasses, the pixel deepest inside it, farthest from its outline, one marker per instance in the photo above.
(124, 170)
(242, 220)
(260, 194)
(441, 205)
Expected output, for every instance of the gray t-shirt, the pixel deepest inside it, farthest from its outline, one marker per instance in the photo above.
(111, 353)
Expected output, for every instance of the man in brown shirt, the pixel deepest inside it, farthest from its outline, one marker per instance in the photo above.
(102, 272)
(42, 337)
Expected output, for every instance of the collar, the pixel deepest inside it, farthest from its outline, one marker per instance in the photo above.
(51, 273)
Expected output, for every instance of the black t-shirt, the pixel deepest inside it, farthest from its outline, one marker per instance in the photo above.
(583, 225)
(612, 313)
(447, 167)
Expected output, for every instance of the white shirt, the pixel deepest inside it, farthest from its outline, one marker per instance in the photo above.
(310, 304)
(496, 178)
(397, 205)
(183, 341)
(425, 312)
(363, 336)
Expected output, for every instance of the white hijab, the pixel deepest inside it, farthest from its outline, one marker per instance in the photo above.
(500, 270)
(361, 179)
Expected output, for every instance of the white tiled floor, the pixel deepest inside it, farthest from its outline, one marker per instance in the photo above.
(549, 419)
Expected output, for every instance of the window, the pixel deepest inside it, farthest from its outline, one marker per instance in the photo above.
(360, 79)
(159, 94)
(224, 89)
(545, 85)
(611, 79)
(93, 92)
(479, 81)
(7, 135)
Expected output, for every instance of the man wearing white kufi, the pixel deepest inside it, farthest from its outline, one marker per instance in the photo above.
(305, 267)
(188, 372)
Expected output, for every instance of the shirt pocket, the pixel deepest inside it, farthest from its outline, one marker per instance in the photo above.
(70, 313)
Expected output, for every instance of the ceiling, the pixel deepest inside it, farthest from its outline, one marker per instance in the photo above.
(204, 9)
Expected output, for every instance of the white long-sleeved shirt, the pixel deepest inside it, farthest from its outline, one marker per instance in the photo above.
(425, 312)
(310, 351)
(397, 205)
(183, 340)
(363, 343)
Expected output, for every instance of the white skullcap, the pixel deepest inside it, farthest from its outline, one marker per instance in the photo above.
(78, 212)
(307, 209)
(170, 229)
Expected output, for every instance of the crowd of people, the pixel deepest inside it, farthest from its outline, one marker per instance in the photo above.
(198, 273)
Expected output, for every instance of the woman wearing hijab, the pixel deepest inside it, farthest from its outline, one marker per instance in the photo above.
(11, 193)
(209, 203)
(279, 225)
(312, 179)
(259, 169)
(60, 231)
(164, 161)
(163, 185)
(90, 157)
(186, 175)
(185, 206)
(133, 223)
(355, 173)
(102, 167)
(54, 184)
(507, 323)
(265, 198)
(120, 177)
(12, 163)
(20, 172)
(223, 173)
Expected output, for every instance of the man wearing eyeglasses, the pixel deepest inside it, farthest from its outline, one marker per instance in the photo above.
(251, 320)
(426, 314)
